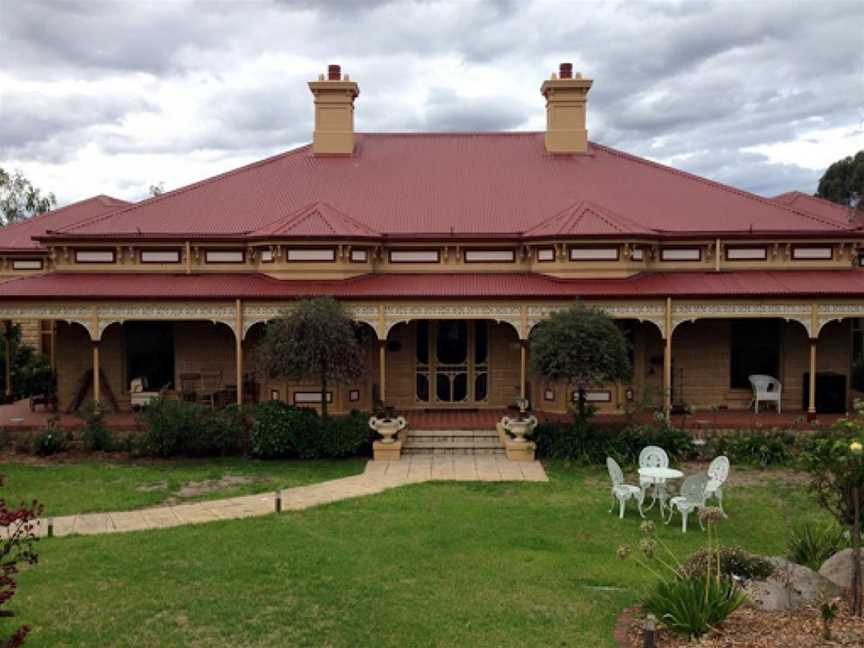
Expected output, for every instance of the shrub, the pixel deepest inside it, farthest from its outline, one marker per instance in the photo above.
(281, 431)
(692, 605)
(585, 442)
(173, 427)
(813, 544)
(756, 448)
(96, 435)
(51, 440)
(733, 561)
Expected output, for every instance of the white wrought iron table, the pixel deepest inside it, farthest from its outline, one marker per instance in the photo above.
(658, 477)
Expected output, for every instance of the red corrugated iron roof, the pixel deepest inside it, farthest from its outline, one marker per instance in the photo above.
(19, 236)
(318, 220)
(466, 286)
(493, 184)
(588, 219)
(817, 206)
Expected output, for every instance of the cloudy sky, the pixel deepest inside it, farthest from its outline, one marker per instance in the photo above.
(113, 97)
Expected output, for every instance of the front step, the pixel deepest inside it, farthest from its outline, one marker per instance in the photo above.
(452, 442)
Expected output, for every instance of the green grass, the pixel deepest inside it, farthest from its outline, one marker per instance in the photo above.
(89, 486)
(435, 564)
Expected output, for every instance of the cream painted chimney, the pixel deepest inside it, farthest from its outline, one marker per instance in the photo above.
(566, 98)
(334, 113)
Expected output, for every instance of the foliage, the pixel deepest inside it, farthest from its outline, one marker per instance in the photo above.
(733, 560)
(176, 427)
(693, 605)
(31, 370)
(580, 346)
(96, 434)
(843, 182)
(51, 439)
(584, 442)
(691, 602)
(315, 341)
(19, 199)
(758, 448)
(282, 431)
(17, 537)
(812, 544)
(835, 461)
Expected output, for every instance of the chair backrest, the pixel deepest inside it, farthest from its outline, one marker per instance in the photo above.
(138, 385)
(764, 384)
(653, 457)
(718, 469)
(693, 488)
(615, 472)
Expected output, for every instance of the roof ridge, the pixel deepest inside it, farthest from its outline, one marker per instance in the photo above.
(716, 184)
(292, 219)
(199, 183)
(43, 215)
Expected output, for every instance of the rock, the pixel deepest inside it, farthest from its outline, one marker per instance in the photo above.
(838, 568)
(790, 587)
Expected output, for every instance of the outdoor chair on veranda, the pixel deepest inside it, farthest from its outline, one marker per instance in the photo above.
(765, 389)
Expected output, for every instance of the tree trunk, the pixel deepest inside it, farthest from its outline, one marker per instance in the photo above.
(856, 553)
(324, 412)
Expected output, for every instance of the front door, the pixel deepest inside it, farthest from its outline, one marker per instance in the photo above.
(452, 362)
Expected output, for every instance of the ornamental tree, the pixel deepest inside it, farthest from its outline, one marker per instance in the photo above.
(580, 346)
(835, 462)
(19, 199)
(17, 535)
(843, 182)
(315, 341)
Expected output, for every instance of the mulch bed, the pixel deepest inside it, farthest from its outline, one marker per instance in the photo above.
(752, 628)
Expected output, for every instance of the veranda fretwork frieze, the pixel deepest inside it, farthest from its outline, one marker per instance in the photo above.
(97, 317)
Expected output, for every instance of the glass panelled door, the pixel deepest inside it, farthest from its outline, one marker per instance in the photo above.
(452, 364)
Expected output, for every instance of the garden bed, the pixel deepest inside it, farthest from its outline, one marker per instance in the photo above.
(752, 628)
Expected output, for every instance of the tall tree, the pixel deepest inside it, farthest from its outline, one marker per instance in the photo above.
(19, 199)
(580, 346)
(843, 182)
(315, 341)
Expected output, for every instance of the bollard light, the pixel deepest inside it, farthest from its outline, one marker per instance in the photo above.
(650, 629)
(278, 501)
(50, 527)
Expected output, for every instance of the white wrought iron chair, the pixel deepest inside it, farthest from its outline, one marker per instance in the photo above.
(652, 457)
(691, 499)
(718, 473)
(622, 491)
(766, 389)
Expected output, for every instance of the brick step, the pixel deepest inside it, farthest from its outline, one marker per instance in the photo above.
(452, 451)
(452, 442)
(461, 433)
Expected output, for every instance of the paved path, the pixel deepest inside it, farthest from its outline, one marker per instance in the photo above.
(378, 477)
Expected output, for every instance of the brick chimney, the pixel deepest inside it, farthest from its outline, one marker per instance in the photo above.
(334, 113)
(566, 98)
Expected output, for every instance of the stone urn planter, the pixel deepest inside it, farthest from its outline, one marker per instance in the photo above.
(519, 426)
(387, 427)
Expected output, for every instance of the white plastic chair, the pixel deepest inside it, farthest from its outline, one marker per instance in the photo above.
(766, 389)
(718, 473)
(691, 499)
(652, 457)
(621, 491)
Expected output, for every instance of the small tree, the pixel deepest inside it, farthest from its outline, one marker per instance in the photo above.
(835, 462)
(19, 199)
(843, 182)
(315, 341)
(580, 346)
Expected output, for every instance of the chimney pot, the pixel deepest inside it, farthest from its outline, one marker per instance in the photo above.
(334, 73)
(565, 71)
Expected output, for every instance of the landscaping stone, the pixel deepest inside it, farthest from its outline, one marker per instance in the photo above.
(790, 587)
(838, 568)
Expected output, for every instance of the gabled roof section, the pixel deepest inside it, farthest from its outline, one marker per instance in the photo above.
(19, 236)
(318, 220)
(819, 207)
(500, 185)
(587, 219)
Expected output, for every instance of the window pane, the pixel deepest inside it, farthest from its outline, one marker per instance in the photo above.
(480, 386)
(452, 341)
(460, 387)
(423, 341)
(442, 387)
(422, 387)
(754, 349)
(481, 342)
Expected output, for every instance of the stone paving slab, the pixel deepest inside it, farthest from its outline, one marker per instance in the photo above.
(378, 477)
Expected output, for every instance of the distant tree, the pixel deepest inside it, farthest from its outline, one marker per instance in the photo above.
(157, 189)
(19, 199)
(315, 341)
(579, 346)
(843, 182)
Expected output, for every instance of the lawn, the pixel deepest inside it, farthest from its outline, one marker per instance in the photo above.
(89, 486)
(434, 564)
